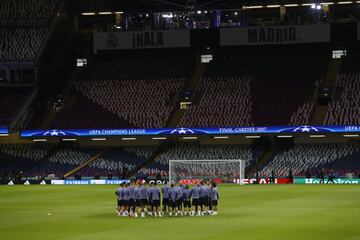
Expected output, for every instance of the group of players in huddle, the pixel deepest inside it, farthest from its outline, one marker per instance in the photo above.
(134, 201)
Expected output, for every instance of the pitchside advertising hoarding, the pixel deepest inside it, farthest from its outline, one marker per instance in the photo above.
(90, 182)
(336, 181)
(298, 181)
(316, 33)
(188, 131)
(141, 39)
(4, 131)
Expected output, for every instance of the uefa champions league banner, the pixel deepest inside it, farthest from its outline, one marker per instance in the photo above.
(275, 35)
(4, 131)
(141, 39)
(188, 131)
(90, 182)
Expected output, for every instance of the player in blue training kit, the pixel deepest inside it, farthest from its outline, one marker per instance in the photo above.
(195, 200)
(119, 195)
(165, 199)
(125, 200)
(207, 198)
(172, 199)
(155, 200)
(137, 198)
(202, 197)
(148, 204)
(186, 195)
(214, 196)
(141, 199)
(132, 204)
(179, 199)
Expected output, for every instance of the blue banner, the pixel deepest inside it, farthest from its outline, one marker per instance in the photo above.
(188, 131)
(4, 131)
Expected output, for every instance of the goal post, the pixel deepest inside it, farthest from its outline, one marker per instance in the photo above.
(218, 170)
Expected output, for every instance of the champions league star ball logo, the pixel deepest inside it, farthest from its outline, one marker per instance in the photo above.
(54, 133)
(306, 129)
(182, 131)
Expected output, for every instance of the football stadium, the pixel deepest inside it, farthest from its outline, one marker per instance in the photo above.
(179, 119)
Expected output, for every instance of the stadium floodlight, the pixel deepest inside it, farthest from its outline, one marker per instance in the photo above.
(159, 138)
(119, 12)
(317, 136)
(40, 140)
(307, 4)
(273, 6)
(189, 138)
(4, 135)
(327, 3)
(98, 139)
(68, 139)
(128, 139)
(252, 7)
(351, 135)
(87, 13)
(345, 2)
(291, 5)
(105, 13)
(254, 136)
(284, 136)
(219, 170)
(221, 137)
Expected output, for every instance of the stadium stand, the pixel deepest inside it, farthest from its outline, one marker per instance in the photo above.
(238, 92)
(226, 101)
(110, 90)
(60, 163)
(313, 156)
(23, 28)
(11, 100)
(345, 109)
(118, 161)
(114, 162)
(21, 157)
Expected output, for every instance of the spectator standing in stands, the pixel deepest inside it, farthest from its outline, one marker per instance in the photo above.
(272, 176)
(331, 177)
(321, 176)
(308, 173)
(291, 177)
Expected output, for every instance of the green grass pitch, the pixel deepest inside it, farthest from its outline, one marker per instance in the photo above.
(245, 212)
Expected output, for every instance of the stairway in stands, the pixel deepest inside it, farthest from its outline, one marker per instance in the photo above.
(329, 82)
(88, 162)
(191, 85)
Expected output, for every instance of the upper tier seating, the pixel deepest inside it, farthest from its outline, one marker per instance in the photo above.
(225, 102)
(23, 28)
(345, 109)
(133, 93)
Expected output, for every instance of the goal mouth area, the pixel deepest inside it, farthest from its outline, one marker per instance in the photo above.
(193, 171)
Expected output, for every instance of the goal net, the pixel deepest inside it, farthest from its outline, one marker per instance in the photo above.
(220, 171)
